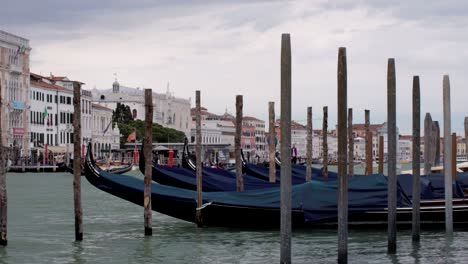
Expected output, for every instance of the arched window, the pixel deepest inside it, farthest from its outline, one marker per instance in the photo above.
(134, 113)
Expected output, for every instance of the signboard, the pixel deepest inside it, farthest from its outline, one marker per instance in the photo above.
(17, 105)
(18, 131)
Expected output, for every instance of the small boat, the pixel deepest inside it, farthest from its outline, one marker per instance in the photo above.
(314, 204)
(115, 169)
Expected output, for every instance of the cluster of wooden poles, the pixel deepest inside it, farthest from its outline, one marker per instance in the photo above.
(345, 154)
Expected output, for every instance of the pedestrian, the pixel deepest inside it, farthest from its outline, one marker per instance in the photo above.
(294, 154)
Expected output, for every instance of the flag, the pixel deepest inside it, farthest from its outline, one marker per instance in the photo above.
(44, 114)
(107, 128)
(132, 136)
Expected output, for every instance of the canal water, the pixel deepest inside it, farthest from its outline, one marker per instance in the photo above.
(41, 230)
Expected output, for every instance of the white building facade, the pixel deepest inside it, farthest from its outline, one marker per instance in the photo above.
(14, 79)
(169, 111)
(105, 136)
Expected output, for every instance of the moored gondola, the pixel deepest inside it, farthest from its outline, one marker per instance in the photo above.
(314, 204)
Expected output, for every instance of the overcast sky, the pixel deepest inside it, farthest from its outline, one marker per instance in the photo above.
(224, 48)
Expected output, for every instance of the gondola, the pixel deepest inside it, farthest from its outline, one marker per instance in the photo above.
(314, 204)
(431, 186)
(213, 180)
(122, 170)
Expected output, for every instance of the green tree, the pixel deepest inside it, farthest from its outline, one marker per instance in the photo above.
(160, 133)
(122, 114)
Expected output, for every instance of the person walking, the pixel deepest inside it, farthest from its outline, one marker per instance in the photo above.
(294, 154)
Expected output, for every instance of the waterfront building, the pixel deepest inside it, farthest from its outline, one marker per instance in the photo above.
(51, 116)
(14, 79)
(169, 111)
(255, 141)
(105, 134)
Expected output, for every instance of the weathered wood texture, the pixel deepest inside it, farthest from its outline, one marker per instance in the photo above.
(437, 144)
(148, 161)
(416, 160)
(198, 154)
(466, 135)
(381, 154)
(325, 143)
(309, 145)
(428, 144)
(285, 192)
(392, 179)
(3, 188)
(368, 141)
(342, 158)
(271, 145)
(237, 144)
(77, 161)
(447, 157)
(350, 143)
(454, 156)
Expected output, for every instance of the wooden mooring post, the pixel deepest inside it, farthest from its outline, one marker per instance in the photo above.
(454, 156)
(342, 158)
(381, 154)
(368, 141)
(271, 145)
(447, 157)
(350, 143)
(198, 139)
(325, 143)
(428, 144)
(237, 144)
(148, 153)
(466, 135)
(437, 144)
(77, 161)
(285, 186)
(3, 188)
(415, 234)
(309, 144)
(392, 179)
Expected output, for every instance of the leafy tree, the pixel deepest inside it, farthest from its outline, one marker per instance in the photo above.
(122, 114)
(160, 133)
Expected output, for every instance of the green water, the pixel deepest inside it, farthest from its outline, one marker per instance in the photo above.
(41, 230)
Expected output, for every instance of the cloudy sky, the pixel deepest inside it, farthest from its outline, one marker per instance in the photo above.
(224, 48)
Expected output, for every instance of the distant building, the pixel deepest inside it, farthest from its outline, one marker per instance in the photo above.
(169, 111)
(257, 140)
(14, 79)
(105, 136)
(51, 116)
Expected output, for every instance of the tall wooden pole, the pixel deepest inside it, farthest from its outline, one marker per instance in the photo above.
(381, 154)
(350, 143)
(148, 160)
(198, 139)
(454, 156)
(271, 145)
(437, 144)
(416, 160)
(392, 180)
(3, 188)
(466, 136)
(368, 142)
(77, 161)
(285, 193)
(237, 143)
(309, 145)
(325, 143)
(428, 144)
(447, 157)
(342, 158)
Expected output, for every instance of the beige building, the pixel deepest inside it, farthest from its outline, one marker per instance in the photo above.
(169, 111)
(14, 79)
